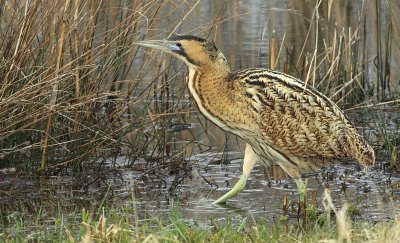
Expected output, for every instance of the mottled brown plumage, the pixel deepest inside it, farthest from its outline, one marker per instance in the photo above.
(281, 119)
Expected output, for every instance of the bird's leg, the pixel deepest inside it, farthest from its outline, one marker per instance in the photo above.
(301, 188)
(249, 161)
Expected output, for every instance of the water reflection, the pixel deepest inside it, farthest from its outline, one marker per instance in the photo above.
(370, 193)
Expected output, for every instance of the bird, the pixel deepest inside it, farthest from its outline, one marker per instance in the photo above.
(283, 120)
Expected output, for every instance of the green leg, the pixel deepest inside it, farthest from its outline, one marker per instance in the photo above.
(249, 161)
(239, 186)
(301, 188)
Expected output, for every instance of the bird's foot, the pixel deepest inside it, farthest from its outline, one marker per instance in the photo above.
(239, 186)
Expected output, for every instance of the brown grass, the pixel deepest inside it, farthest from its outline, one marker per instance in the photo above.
(65, 86)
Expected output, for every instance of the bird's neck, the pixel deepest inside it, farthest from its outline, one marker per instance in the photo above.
(212, 92)
(212, 76)
(207, 82)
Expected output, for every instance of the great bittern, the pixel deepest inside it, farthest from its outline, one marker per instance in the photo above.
(282, 119)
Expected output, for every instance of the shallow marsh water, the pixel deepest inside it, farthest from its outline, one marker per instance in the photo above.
(374, 194)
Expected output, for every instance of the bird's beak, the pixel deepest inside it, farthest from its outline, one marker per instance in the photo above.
(163, 45)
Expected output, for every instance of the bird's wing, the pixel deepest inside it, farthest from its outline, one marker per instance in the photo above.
(295, 119)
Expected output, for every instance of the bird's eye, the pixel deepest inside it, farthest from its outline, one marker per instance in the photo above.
(178, 44)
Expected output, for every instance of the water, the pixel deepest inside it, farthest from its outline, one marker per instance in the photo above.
(373, 193)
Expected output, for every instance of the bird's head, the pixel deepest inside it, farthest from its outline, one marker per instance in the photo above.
(194, 51)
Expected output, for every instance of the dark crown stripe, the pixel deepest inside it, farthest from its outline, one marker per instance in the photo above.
(186, 37)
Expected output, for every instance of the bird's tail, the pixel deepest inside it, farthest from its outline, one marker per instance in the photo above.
(360, 150)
